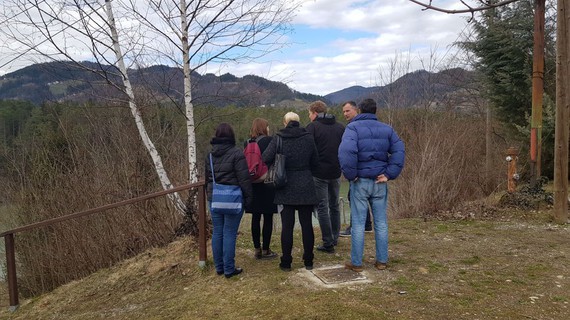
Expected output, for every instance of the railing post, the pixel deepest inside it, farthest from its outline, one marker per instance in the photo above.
(202, 225)
(11, 271)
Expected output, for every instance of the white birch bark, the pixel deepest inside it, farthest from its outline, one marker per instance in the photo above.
(156, 159)
(189, 107)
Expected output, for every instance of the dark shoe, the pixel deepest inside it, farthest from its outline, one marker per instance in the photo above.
(257, 253)
(268, 254)
(326, 249)
(219, 272)
(309, 267)
(380, 266)
(352, 267)
(368, 229)
(235, 273)
(345, 233)
(285, 268)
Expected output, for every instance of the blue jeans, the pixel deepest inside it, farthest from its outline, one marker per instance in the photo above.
(224, 240)
(328, 210)
(364, 193)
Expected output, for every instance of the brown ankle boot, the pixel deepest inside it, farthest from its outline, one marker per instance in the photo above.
(257, 253)
(268, 254)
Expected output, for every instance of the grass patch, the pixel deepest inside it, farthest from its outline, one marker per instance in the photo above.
(436, 278)
(442, 228)
(471, 260)
(560, 299)
(404, 284)
(437, 267)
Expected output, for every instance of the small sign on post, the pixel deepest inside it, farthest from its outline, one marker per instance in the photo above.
(512, 175)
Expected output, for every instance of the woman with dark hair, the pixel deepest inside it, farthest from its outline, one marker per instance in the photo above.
(262, 198)
(301, 160)
(229, 167)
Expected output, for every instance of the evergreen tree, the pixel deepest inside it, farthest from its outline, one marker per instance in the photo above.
(503, 46)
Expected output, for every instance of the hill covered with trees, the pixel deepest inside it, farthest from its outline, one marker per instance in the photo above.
(69, 82)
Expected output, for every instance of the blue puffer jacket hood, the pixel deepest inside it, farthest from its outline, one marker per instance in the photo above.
(370, 148)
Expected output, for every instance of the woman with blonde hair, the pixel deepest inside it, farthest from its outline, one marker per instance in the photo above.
(263, 195)
(301, 159)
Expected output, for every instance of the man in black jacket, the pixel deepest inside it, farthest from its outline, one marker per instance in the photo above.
(328, 135)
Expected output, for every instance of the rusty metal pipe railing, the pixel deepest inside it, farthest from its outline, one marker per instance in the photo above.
(9, 235)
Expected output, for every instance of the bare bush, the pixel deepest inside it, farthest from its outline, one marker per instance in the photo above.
(445, 162)
(74, 159)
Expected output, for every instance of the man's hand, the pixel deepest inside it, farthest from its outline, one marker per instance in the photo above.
(381, 179)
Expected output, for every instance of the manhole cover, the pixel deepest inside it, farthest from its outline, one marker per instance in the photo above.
(337, 274)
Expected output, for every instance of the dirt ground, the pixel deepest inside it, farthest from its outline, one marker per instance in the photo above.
(504, 266)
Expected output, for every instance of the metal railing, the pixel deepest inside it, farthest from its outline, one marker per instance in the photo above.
(9, 235)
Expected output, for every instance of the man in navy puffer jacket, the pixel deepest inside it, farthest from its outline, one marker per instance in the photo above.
(370, 154)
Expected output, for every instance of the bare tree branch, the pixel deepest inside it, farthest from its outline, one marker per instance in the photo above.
(484, 6)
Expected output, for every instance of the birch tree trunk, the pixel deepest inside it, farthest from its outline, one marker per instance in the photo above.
(189, 107)
(156, 159)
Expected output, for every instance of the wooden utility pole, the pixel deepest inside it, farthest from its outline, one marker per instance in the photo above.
(489, 121)
(561, 134)
(537, 92)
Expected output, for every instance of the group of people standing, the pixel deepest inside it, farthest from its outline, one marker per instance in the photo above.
(368, 152)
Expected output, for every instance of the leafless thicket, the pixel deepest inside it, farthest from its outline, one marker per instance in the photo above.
(82, 158)
(445, 162)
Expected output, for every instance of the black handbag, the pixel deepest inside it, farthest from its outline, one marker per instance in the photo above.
(276, 175)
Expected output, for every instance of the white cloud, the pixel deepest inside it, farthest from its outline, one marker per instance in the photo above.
(384, 30)
(361, 38)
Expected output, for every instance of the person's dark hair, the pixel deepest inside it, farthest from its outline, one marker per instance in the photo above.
(368, 106)
(352, 103)
(224, 130)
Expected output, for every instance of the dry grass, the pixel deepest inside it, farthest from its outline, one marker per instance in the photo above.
(438, 270)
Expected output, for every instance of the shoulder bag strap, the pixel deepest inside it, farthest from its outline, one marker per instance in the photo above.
(278, 144)
(212, 169)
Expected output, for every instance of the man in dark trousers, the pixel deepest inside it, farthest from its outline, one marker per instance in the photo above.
(328, 134)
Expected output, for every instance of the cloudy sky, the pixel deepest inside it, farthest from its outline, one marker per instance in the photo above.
(340, 43)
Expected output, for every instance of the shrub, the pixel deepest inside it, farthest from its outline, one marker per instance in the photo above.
(445, 162)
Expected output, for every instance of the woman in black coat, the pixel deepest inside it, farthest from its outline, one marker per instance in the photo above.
(229, 167)
(262, 198)
(301, 159)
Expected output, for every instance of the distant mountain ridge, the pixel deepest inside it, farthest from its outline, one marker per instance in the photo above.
(66, 81)
(410, 90)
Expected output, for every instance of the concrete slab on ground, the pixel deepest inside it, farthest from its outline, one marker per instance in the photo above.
(335, 276)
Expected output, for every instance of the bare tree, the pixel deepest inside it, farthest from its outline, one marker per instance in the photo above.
(212, 32)
(188, 34)
(57, 29)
